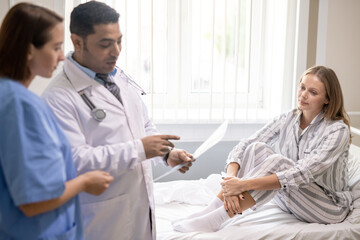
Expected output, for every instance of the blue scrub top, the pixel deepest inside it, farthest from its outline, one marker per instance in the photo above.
(35, 163)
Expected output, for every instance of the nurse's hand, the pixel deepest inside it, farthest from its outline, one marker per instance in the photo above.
(180, 156)
(96, 182)
(158, 145)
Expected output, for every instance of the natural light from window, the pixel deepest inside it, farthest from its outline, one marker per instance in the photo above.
(208, 60)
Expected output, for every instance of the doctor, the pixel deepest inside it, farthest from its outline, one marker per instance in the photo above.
(109, 131)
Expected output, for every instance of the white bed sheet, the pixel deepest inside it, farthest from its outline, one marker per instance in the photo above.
(180, 198)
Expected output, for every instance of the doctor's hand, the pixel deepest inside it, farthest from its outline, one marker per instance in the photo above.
(158, 145)
(180, 156)
(96, 182)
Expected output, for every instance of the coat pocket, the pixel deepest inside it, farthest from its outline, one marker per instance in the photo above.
(106, 219)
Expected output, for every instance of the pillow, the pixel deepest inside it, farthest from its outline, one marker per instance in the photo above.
(354, 183)
(354, 165)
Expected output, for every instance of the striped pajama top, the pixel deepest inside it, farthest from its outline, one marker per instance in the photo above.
(320, 153)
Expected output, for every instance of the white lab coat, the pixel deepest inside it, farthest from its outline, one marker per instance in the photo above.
(112, 145)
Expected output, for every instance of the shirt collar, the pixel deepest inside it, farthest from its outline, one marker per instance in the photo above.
(88, 71)
(316, 119)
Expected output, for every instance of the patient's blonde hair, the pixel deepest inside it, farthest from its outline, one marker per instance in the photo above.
(335, 109)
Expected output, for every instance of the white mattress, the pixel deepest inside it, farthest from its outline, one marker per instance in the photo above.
(180, 198)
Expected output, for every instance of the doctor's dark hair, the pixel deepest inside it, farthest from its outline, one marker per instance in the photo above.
(23, 25)
(85, 16)
(335, 109)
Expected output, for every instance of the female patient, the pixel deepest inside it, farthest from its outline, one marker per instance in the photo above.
(299, 160)
(38, 183)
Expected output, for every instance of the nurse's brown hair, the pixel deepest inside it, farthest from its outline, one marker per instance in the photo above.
(335, 109)
(23, 25)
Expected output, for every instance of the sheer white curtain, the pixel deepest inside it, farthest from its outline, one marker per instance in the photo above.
(207, 60)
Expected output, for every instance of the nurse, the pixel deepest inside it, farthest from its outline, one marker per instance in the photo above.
(123, 142)
(38, 183)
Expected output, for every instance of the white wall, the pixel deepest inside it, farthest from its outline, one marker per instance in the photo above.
(343, 50)
(343, 47)
(4, 6)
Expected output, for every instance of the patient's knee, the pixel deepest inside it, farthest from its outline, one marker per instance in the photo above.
(280, 162)
(260, 147)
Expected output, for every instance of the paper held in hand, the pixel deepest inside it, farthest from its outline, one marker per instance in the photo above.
(215, 137)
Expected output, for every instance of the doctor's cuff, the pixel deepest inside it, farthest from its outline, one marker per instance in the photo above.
(167, 156)
(140, 150)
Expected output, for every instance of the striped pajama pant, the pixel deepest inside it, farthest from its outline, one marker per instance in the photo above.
(309, 204)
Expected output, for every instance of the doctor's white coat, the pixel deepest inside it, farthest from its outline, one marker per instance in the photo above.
(112, 145)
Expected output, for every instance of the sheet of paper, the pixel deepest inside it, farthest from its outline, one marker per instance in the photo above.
(214, 138)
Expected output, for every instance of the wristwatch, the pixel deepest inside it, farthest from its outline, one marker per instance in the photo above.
(167, 156)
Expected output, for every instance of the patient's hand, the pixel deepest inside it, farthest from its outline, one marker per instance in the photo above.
(232, 204)
(233, 186)
(180, 156)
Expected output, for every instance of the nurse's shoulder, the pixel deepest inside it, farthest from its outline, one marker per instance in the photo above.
(14, 94)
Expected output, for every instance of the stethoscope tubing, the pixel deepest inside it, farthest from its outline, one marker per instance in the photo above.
(100, 114)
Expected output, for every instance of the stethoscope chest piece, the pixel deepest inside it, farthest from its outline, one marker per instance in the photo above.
(98, 114)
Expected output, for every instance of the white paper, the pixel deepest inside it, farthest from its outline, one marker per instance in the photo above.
(214, 138)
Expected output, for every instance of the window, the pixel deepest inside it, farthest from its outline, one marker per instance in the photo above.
(209, 60)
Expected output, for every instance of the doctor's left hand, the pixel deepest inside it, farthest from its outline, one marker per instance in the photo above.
(180, 156)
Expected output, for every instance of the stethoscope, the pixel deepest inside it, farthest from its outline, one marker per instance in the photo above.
(100, 114)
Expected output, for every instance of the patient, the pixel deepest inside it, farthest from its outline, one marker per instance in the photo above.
(299, 160)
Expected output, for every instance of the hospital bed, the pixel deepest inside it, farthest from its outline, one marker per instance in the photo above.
(177, 199)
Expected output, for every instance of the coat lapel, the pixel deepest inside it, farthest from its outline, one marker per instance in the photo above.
(82, 81)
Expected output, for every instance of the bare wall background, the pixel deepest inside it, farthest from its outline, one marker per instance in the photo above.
(343, 51)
